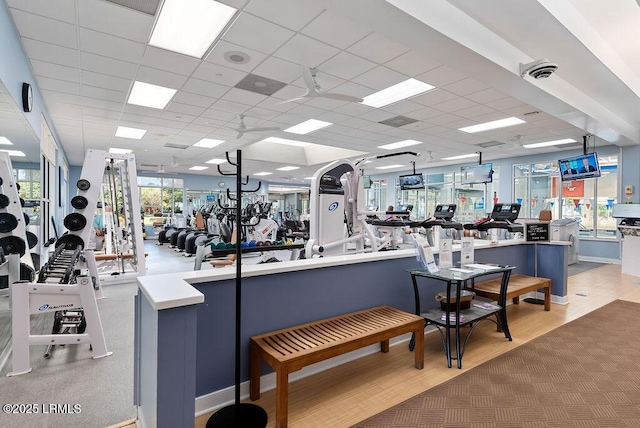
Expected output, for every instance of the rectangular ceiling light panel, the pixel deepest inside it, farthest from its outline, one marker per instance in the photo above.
(392, 94)
(502, 123)
(14, 152)
(198, 168)
(119, 151)
(133, 133)
(389, 166)
(216, 161)
(263, 173)
(288, 168)
(285, 142)
(208, 143)
(400, 144)
(308, 126)
(189, 27)
(5, 141)
(148, 95)
(470, 155)
(549, 143)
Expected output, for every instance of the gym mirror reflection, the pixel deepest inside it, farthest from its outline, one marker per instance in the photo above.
(15, 128)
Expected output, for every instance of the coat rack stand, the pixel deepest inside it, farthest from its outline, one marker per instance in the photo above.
(238, 415)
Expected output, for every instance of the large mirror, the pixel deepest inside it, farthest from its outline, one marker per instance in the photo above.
(16, 129)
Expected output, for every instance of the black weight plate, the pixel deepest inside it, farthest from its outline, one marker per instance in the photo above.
(27, 273)
(32, 239)
(4, 201)
(27, 219)
(79, 202)
(83, 184)
(70, 242)
(35, 258)
(18, 186)
(75, 222)
(1, 181)
(13, 245)
(22, 202)
(8, 222)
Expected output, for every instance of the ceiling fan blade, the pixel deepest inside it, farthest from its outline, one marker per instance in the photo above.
(340, 97)
(266, 128)
(302, 97)
(309, 79)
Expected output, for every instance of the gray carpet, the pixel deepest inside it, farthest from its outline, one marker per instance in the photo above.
(103, 388)
(580, 267)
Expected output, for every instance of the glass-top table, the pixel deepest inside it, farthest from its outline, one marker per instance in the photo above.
(462, 277)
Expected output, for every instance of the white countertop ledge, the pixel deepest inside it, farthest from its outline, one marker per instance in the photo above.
(175, 289)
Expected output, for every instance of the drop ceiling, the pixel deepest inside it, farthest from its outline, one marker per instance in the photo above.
(86, 54)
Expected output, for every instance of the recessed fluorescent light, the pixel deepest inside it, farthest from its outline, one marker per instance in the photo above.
(263, 173)
(148, 95)
(395, 93)
(119, 151)
(389, 166)
(549, 143)
(470, 155)
(285, 141)
(308, 178)
(13, 152)
(308, 126)
(399, 144)
(288, 168)
(216, 161)
(208, 143)
(190, 27)
(5, 141)
(510, 121)
(133, 133)
(198, 168)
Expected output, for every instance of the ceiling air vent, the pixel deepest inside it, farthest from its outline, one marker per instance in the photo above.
(488, 144)
(145, 6)
(398, 121)
(260, 85)
(176, 146)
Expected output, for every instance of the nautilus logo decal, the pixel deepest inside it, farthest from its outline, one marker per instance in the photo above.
(334, 206)
(44, 307)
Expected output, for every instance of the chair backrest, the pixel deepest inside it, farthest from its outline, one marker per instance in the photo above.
(545, 215)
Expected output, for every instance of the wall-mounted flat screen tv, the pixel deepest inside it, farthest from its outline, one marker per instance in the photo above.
(579, 167)
(476, 174)
(411, 182)
(366, 181)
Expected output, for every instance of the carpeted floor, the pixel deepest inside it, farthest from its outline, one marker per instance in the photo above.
(583, 374)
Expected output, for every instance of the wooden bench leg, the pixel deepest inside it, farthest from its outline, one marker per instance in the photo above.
(384, 346)
(516, 300)
(254, 371)
(418, 350)
(282, 397)
(547, 298)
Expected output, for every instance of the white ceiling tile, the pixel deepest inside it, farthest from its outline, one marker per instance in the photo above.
(346, 65)
(403, 107)
(94, 92)
(350, 88)
(278, 69)
(110, 66)
(465, 86)
(425, 113)
(111, 46)
(60, 97)
(65, 110)
(287, 93)
(230, 107)
(412, 64)
(490, 117)
(521, 110)
(474, 111)
(219, 74)
(169, 61)
(55, 71)
(378, 49)
(255, 33)
(377, 115)
(306, 51)
(105, 104)
(38, 27)
(443, 119)
(60, 10)
(276, 104)
(161, 78)
(51, 53)
(293, 14)
(306, 112)
(454, 105)
(333, 117)
(103, 81)
(354, 109)
(96, 112)
(193, 99)
(56, 85)
(486, 95)
(220, 115)
(505, 103)
(325, 103)
(202, 87)
(114, 19)
(434, 96)
(380, 78)
(217, 56)
(185, 109)
(441, 76)
(243, 97)
(335, 30)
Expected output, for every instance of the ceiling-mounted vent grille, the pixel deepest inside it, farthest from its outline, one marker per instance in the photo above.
(398, 121)
(176, 146)
(149, 165)
(488, 144)
(150, 7)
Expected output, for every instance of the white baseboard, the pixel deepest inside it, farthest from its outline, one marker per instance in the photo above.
(224, 397)
(559, 300)
(599, 260)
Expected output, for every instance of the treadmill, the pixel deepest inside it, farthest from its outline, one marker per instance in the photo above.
(442, 226)
(503, 218)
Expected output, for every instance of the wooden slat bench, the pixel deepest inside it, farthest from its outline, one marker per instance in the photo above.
(102, 257)
(518, 285)
(293, 348)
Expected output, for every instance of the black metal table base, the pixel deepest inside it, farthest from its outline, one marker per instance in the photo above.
(243, 415)
(534, 301)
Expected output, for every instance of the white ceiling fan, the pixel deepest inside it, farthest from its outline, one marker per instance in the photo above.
(315, 91)
(243, 128)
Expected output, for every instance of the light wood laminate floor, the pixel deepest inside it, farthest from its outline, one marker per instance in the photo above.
(352, 392)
